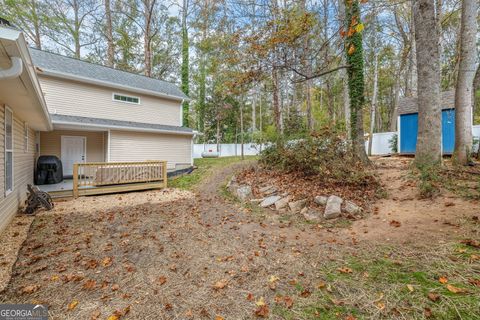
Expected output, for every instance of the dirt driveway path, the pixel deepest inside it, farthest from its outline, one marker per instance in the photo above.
(196, 257)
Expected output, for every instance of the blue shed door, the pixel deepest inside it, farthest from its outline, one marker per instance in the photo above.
(448, 130)
(408, 133)
(409, 130)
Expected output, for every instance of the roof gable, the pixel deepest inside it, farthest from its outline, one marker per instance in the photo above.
(62, 66)
(409, 104)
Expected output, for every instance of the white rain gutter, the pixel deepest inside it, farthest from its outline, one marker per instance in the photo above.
(14, 71)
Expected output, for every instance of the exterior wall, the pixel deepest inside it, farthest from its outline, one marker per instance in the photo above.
(84, 100)
(51, 144)
(140, 146)
(23, 165)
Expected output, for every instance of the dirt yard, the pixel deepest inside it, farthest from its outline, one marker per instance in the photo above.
(204, 257)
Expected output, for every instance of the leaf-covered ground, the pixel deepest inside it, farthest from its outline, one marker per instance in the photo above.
(205, 257)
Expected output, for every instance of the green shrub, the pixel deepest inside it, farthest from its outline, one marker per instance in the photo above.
(326, 155)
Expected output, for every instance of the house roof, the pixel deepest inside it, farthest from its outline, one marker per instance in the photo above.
(59, 119)
(76, 69)
(19, 86)
(409, 104)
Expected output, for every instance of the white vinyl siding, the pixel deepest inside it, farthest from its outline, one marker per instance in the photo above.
(85, 100)
(51, 144)
(23, 165)
(140, 146)
(8, 151)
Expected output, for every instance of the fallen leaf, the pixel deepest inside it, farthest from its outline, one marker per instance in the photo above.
(427, 312)
(380, 305)
(321, 285)
(454, 289)
(30, 289)
(395, 223)
(433, 296)
(350, 317)
(260, 302)
(471, 242)
(90, 284)
(107, 262)
(443, 280)
(162, 280)
(262, 311)
(250, 297)
(95, 315)
(288, 302)
(72, 305)
(410, 288)
(474, 282)
(220, 284)
(113, 317)
(115, 287)
(305, 293)
(273, 279)
(219, 318)
(345, 270)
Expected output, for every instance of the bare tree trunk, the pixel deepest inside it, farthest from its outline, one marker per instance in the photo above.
(76, 33)
(241, 130)
(147, 36)
(109, 33)
(254, 109)
(393, 119)
(463, 92)
(36, 25)
(429, 140)
(373, 107)
(346, 94)
(276, 104)
(476, 89)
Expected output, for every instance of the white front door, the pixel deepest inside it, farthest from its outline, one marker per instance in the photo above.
(73, 151)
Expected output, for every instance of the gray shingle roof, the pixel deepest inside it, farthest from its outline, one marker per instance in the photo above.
(409, 105)
(107, 123)
(56, 63)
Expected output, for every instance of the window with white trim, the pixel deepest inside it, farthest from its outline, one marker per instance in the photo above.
(126, 99)
(25, 137)
(8, 151)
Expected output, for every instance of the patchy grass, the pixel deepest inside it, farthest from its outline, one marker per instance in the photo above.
(393, 284)
(204, 170)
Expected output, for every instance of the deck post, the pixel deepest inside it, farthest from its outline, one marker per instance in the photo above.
(164, 172)
(75, 180)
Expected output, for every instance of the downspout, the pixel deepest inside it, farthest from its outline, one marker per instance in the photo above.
(14, 71)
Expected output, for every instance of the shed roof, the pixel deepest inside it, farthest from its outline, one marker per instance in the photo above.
(60, 119)
(59, 65)
(409, 104)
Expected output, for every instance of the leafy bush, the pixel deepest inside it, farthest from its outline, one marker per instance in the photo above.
(326, 155)
(393, 143)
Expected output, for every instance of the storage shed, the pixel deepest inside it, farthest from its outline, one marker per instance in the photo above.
(408, 123)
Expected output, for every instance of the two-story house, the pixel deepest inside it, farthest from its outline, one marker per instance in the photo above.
(101, 114)
(80, 112)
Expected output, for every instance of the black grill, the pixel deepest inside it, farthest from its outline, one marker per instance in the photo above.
(49, 170)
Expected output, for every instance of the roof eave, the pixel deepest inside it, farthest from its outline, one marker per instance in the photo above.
(62, 75)
(122, 128)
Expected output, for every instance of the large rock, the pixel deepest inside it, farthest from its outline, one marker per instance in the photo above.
(267, 190)
(268, 201)
(333, 208)
(282, 203)
(321, 200)
(244, 192)
(352, 208)
(297, 206)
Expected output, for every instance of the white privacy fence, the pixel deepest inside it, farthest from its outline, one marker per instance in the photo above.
(380, 146)
(381, 143)
(226, 149)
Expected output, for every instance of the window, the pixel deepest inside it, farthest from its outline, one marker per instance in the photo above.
(25, 137)
(127, 99)
(8, 151)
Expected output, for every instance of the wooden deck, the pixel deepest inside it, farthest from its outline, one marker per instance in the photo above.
(112, 177)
